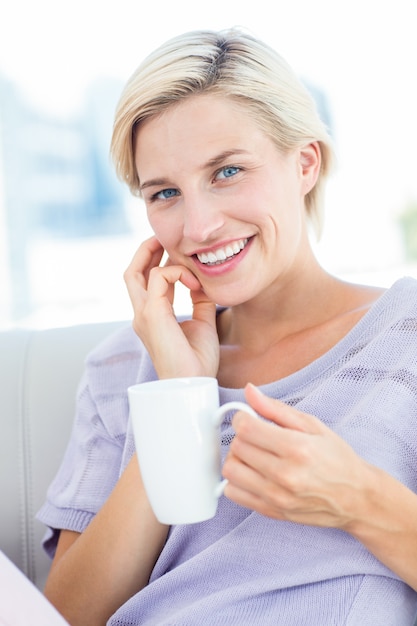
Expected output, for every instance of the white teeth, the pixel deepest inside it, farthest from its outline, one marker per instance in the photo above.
(222, 254)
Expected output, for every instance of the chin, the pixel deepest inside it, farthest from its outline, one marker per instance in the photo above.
(226, 300)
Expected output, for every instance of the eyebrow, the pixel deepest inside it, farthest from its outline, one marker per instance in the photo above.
(223, 156)
(154, 182)
(214, 162)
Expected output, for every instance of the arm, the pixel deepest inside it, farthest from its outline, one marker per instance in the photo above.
(387, 525)
(94, 573)
(304, 472)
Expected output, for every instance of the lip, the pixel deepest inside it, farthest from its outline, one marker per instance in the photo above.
(226, 266)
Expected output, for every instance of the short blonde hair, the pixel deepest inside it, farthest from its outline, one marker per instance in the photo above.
(233, 64)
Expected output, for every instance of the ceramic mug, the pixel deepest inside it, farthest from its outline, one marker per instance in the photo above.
(176, 430)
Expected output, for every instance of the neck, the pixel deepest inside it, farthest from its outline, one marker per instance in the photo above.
(301, 302)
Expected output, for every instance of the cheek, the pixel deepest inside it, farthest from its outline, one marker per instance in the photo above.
(167, 230)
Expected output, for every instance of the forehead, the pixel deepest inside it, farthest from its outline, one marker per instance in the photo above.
(201, 103)
(201, 125)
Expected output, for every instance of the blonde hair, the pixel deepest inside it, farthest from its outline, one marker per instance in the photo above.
(235, 65)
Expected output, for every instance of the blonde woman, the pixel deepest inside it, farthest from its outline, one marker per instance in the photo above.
(317, 524)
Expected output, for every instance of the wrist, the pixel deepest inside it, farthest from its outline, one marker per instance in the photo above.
(368, 504)
(386, 525)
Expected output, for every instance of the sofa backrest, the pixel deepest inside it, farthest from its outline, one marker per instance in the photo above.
(39, 374)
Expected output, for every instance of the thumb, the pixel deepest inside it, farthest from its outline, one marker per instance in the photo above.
(204, 309)
(280, 413)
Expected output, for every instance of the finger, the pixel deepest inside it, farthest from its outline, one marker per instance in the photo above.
(247, 462)
(147, 256)
(239, 474)
(248, 489)
(245, 494)
(285, 433)
(280, 413)
(160, 278)
(204, 309)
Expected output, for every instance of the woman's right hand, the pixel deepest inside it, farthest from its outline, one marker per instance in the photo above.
(190, 348)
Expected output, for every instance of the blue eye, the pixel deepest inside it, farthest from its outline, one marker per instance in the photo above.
(166, 194)
(227, 172)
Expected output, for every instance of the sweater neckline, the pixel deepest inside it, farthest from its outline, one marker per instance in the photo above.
(314, 369)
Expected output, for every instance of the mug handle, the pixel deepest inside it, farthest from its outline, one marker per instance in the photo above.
(218, 416)
(230, 406)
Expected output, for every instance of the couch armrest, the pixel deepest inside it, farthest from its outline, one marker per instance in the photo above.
(39, 374)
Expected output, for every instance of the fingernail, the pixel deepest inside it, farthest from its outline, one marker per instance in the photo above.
(255, 389)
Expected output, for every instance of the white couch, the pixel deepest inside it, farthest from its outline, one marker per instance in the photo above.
(39, 373)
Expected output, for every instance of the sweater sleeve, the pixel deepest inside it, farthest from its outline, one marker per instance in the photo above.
(94, 456)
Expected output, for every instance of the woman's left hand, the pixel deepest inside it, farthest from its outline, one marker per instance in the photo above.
(292, 467)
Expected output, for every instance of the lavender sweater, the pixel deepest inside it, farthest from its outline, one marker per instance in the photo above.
(242, 568)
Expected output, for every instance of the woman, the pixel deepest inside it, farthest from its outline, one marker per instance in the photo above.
(317, 526)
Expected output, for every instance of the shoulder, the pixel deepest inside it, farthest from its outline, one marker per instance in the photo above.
(121, 342)
(389, 330)
(118, 361)
(404, 286)
(400, 300)
(393, 317)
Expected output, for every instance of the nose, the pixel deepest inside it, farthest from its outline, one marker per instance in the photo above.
(203, 217)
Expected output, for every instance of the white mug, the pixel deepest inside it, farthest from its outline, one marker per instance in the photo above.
(176, 430)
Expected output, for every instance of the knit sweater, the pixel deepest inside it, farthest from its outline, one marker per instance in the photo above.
(240, 567)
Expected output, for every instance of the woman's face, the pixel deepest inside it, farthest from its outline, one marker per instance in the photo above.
(222, 199)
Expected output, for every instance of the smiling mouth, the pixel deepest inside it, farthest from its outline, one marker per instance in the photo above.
(221, 255)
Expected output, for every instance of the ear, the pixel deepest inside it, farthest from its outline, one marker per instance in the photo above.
(310, 163)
